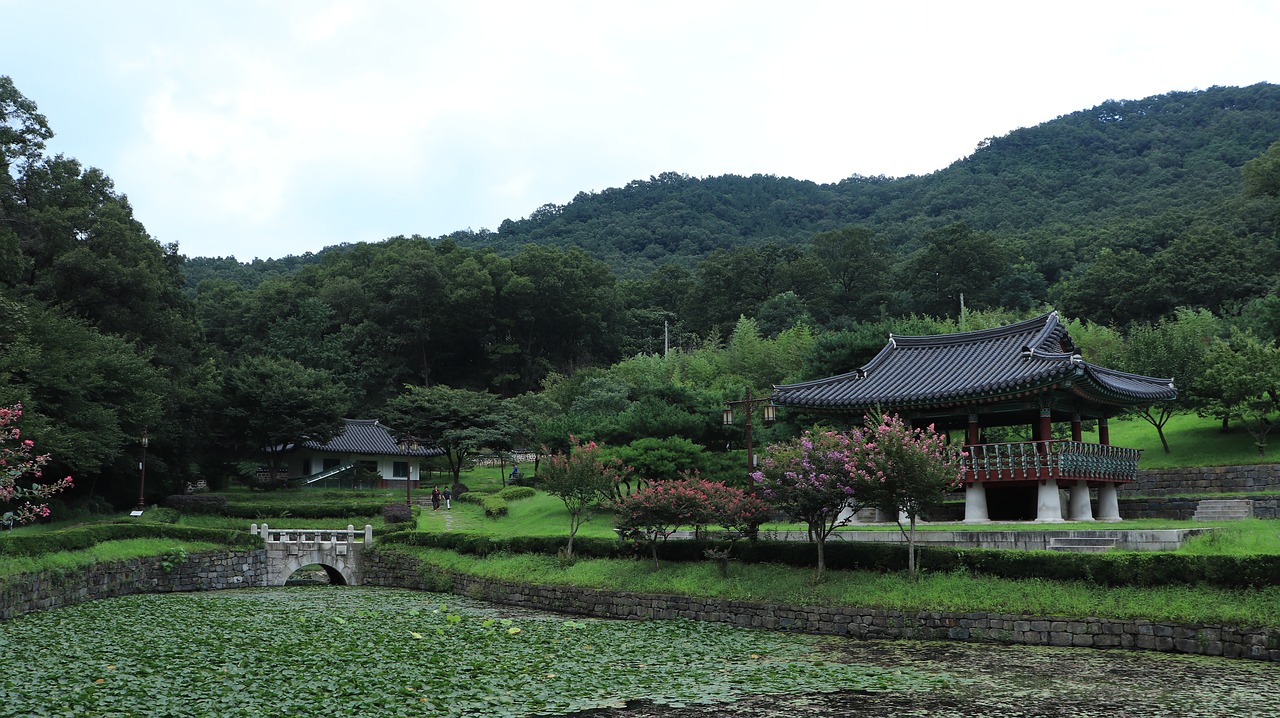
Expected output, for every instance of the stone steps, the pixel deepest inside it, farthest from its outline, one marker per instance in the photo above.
(1081, 544)
(1223, 510)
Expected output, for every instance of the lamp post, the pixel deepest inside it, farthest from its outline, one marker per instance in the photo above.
(408, 444)
(142, 477)
(749, 406)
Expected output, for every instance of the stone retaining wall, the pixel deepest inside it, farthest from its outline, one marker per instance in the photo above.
(1265, 506)
(1259, 478)
(391, 569)
(203, 571)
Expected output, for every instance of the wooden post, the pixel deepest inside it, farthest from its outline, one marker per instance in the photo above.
(1077, 431)
(1104, 432)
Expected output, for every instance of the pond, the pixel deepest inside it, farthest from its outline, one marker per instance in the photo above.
(323, 651)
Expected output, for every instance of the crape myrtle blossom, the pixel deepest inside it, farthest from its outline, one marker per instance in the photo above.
(823, 477)
(18, 461)
(819, 479)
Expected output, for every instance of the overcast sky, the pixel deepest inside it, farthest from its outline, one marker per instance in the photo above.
(262, 129)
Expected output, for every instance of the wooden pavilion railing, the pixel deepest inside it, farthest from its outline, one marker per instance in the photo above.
(1058, 459)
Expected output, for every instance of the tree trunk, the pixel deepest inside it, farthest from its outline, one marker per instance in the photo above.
(911, 548)
(1163, 441)
(822, 560)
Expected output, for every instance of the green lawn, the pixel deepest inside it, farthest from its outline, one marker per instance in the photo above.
(933, 591)
(1193, 441)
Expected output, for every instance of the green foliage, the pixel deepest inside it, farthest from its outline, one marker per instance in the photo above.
(273, 404)
(79, 538)
(397, 513)
(582, 479)
(198, 503)
(173, 558)
(460, 421)
(516, 493)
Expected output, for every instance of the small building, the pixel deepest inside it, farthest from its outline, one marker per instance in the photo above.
(1026, 374)
(365, 452)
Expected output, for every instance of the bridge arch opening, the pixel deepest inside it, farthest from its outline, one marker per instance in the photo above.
(316, 574)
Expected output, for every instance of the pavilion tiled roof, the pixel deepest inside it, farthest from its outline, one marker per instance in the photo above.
(367, 436)
(974, 367)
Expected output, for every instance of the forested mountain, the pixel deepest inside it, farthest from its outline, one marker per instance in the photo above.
(1121, 161)
(1134, 218)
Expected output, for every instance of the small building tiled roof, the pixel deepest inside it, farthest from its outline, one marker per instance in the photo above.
(367, 436)
(987, 366)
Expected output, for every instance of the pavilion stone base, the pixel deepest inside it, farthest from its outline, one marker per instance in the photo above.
(1108, 505)
(1053, 505)
(975, 504)
(1049, 502)
(1079, 507)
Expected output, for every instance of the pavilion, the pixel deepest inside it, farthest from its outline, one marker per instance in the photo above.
(1023, 374)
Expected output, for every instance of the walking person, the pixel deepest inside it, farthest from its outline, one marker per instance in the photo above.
(448, 498)
(435, 499)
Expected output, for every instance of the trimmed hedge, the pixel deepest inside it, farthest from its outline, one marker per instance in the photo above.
(515, 493)
(397, 513)
(306, 511)
(1107, 569)
(494, 505)
(82, 537)
(198, 503)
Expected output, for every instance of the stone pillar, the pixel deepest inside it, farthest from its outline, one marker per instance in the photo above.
(1080, 508)
(1108, 504)
(1049, 504)
(368, 534)
(975, 504)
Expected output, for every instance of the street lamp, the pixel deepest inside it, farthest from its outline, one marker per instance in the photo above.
(142, 480)
(748, 406)
(408, 445)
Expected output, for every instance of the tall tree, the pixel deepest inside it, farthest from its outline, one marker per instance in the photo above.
(460, 421)
(273, 404)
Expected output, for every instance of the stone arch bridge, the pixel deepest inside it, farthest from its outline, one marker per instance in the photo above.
(338, 551)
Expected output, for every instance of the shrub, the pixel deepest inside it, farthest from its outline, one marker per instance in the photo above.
(515, 493)
(161, 515)
(494, 506)
(198, 503)
(82, 537)
(472, 497)
(1110, 569)
(397, 513)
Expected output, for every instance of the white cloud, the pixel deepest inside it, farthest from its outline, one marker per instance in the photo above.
(265, 128)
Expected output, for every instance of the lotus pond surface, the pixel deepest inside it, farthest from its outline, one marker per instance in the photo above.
(361, 651)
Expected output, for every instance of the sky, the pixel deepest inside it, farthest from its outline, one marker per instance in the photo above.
(265, 129)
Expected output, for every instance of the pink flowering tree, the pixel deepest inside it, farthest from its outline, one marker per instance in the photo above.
(912, 470)
(820, 479)
(18, 464)
(663, 507)
(583, 478)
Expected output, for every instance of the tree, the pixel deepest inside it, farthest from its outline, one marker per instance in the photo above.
(460, 421)
(583, 478)
(1244, 374)
(820, 479)
(1261, 174)
(957, 261)
(666, 459)
(19, 463)
(914, 470)
(661, 508)
(1172, 348)
(273, 404)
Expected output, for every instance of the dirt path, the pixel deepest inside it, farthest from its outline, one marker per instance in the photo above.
(1033, 682)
